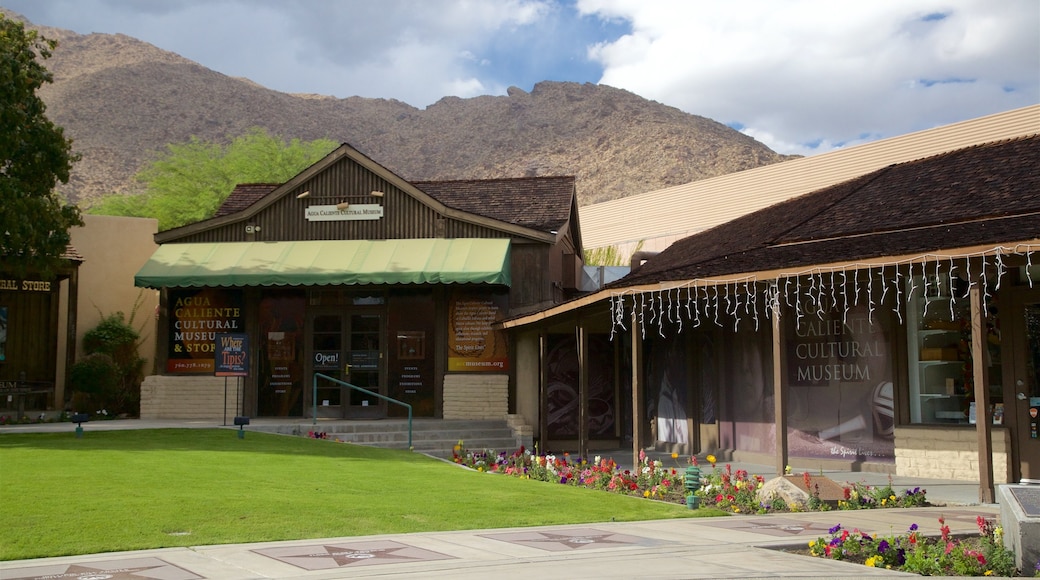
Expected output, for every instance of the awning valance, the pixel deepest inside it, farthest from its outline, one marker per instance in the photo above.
(327, 262)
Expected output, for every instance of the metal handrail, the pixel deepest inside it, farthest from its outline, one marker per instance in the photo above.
(367, 392)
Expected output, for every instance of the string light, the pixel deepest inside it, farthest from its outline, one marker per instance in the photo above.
(937, 274)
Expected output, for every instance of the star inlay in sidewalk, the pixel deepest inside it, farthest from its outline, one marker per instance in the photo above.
(135, 569)
(576, 539)
(338, 555)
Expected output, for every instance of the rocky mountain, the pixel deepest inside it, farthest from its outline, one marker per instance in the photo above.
(121, 100)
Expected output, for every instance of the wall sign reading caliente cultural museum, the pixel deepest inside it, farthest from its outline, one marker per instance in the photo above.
(329, 213)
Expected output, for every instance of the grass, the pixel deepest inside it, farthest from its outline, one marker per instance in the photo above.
(132, 490)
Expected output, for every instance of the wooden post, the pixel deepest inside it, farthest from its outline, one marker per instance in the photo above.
(543, 380)
(637, 391)
(583, 389)
(983, 417)
(779, 395)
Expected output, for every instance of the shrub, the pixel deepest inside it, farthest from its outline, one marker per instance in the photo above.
(110, 374)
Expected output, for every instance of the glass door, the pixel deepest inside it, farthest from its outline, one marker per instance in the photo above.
(347, 346)
(1027, 388)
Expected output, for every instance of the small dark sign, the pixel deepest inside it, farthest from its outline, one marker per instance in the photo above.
(231, 355)
(1028, 498)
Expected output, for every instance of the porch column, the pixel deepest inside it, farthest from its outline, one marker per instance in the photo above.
(779, 395)
(637, 390)
(543, 380)
(983, 417)
(583, 388)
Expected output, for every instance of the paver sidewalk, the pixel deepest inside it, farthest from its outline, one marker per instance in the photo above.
(722, 547)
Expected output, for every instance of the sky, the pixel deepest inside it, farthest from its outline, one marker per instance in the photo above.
(801, 76)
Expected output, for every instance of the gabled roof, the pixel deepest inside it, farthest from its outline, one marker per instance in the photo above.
(984, 194)
(248, 209)
(541, 203)
(243, 196)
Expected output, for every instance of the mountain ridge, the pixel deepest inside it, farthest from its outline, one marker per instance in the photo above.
(122, 100)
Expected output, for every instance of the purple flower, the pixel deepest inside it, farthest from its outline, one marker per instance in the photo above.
(563, 479)
(835, 529)
(882, 546)
(900, 556)
(913, 527)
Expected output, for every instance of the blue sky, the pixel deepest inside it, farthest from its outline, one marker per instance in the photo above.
(802, 76)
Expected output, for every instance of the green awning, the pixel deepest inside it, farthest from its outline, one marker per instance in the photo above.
(415, 261)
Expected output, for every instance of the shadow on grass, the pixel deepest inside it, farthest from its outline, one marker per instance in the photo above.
(208, 440)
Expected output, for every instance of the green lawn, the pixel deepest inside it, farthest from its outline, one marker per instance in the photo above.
(129, 490)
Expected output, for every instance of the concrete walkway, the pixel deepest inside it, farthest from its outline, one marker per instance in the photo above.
(722, 547)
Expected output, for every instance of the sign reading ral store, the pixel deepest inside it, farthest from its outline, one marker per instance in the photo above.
(329, 213)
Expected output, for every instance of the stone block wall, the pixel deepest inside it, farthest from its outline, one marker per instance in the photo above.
(948, 453)
(476, 396)
(188, 397)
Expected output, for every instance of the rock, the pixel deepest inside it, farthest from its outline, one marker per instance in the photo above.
(785, 489)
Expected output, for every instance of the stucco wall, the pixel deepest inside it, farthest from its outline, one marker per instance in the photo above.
(527, 371)
(114, 249)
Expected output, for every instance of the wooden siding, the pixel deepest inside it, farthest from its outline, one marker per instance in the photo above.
(532, 282)
(404, 217)
(32, 335)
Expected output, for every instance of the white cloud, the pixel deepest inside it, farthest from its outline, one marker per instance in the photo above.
(802, 76)
(808, 75)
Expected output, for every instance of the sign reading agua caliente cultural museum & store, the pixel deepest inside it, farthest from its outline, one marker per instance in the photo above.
(197, 316)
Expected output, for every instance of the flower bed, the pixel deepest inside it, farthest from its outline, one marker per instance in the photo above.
(650, 479)
(722, 487)
(982, 555)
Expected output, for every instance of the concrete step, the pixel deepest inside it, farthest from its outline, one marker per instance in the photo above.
(431, 436)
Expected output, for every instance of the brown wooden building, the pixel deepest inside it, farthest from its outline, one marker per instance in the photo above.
(349, 271)
(890, 322)
(30, 324)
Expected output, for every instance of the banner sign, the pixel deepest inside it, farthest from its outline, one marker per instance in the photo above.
(472, 344)
(232, 355)
(840, 381)
(196, 317)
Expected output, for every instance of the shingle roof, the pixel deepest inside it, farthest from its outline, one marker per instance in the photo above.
(243, 196)
(541, 203)
(984, 194)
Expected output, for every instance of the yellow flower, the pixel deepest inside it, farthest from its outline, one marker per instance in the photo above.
(812, 543)
(787, 470)
(892, 497)
(883, 500)
(988, 573)
(675, 456)
(711, 459)
(646, 493)
(736, 510)
(871, 561)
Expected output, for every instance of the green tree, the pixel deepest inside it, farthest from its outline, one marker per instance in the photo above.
(188, 181)
(34, 157)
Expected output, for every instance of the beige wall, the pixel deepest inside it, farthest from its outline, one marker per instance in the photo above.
(113, 250)
(476, 396)
(528, 369)
(941, 453)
